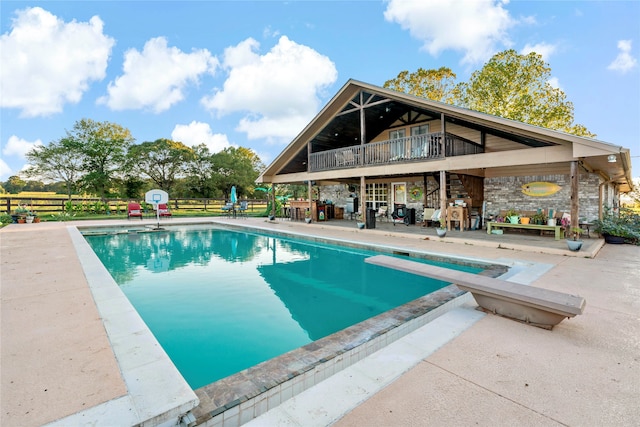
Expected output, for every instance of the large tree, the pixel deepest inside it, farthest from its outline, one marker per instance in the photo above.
(104, 146)
(59, 161)
(162, 160)
(237, 167)
(517, 87)
(438, 85)
(200, 173)
(509, 85)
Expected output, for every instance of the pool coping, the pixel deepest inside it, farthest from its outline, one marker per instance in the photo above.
(151, 399)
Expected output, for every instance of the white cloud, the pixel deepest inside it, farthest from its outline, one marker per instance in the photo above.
(157, 77)
(279, 92)
(5, 170)
(19, 147)
(196, 133)
(624, 61)
(46, 63)
(474, 27)
(543, 49)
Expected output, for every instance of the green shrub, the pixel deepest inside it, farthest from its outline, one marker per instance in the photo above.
(626, 224)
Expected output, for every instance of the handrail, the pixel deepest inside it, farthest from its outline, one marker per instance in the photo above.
(400, 150)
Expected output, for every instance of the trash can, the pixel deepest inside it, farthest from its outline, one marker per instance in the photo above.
(371, 218)
(410, 216)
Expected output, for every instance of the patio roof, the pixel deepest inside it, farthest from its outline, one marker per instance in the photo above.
(531, 148)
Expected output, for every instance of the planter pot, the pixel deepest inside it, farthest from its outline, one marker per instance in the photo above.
(22, 220)
(613, 240)
(574, 245)
(36, 219)
(29, 219)
(441, 232)
(360, 225)
(307, 220)
(513, 219)
(551, 222)
(271, 217)
(525, 220)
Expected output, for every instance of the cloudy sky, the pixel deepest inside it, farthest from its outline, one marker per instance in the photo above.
(253, 74)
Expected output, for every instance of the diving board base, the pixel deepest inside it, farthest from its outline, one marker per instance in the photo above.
(539, 307)
(516, 311)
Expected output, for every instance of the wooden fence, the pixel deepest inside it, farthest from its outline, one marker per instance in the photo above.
(52, 205)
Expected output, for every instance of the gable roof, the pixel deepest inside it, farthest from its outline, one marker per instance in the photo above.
(337, 125)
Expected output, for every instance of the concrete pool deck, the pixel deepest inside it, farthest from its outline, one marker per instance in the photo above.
(585, 371)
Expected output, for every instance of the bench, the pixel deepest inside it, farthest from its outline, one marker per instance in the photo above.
(539, 307)
(557, 229)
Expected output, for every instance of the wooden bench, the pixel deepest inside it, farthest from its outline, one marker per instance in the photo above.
(540, 307)
(557, 229)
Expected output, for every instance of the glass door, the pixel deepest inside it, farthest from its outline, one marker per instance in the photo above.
(399, 193)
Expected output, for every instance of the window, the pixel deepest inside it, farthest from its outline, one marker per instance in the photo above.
(420, 130)
(397, 134)
(377, 195)
(419, 144)
(398, 142)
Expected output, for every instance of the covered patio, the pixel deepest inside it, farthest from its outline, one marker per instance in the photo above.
(385, 149)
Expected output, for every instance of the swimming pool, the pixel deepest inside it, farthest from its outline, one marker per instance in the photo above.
(220, 301)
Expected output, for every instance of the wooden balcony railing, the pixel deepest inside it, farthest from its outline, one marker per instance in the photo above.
(401, 150)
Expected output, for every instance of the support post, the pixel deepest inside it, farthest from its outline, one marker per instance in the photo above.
(575, 174)
(443, 194)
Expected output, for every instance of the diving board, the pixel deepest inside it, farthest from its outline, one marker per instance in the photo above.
(540, 307)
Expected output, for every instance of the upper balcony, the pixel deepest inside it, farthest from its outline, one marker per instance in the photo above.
(401, 150)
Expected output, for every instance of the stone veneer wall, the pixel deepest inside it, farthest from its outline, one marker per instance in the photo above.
(506, 192)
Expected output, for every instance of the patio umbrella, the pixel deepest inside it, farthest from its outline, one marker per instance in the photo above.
(234, 196)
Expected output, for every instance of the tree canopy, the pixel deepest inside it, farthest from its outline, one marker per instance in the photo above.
(509, 85)
(438, 85)
(162, 160)
(59, 161)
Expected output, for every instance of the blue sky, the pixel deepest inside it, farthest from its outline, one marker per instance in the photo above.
(253, 74)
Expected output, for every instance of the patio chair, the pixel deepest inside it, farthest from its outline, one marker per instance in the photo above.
(163, 211)
(427, 217)
(244, 205)
(134, 210)
(398, 214)
(228, 209)
(382, 213)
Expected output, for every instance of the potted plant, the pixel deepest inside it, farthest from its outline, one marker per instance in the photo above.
(574, 243)
(441, 230)
(21, 213)
(538, 218)
(622, 228)
(512, 216)
(307, 216)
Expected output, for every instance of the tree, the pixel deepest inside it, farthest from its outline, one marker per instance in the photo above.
(59, 161)
(162, 160)
(200, 173)
(14, 184)
(236, 166)
(104, 147)
(517, 87)
(438, 85)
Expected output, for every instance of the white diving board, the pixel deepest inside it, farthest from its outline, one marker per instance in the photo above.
(540, 307)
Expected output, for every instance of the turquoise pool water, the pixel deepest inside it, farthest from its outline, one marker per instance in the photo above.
(220, 301)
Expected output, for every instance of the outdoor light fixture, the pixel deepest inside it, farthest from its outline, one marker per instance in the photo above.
(611, 158)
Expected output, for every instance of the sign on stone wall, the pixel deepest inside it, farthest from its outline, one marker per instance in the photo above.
(540, 189)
